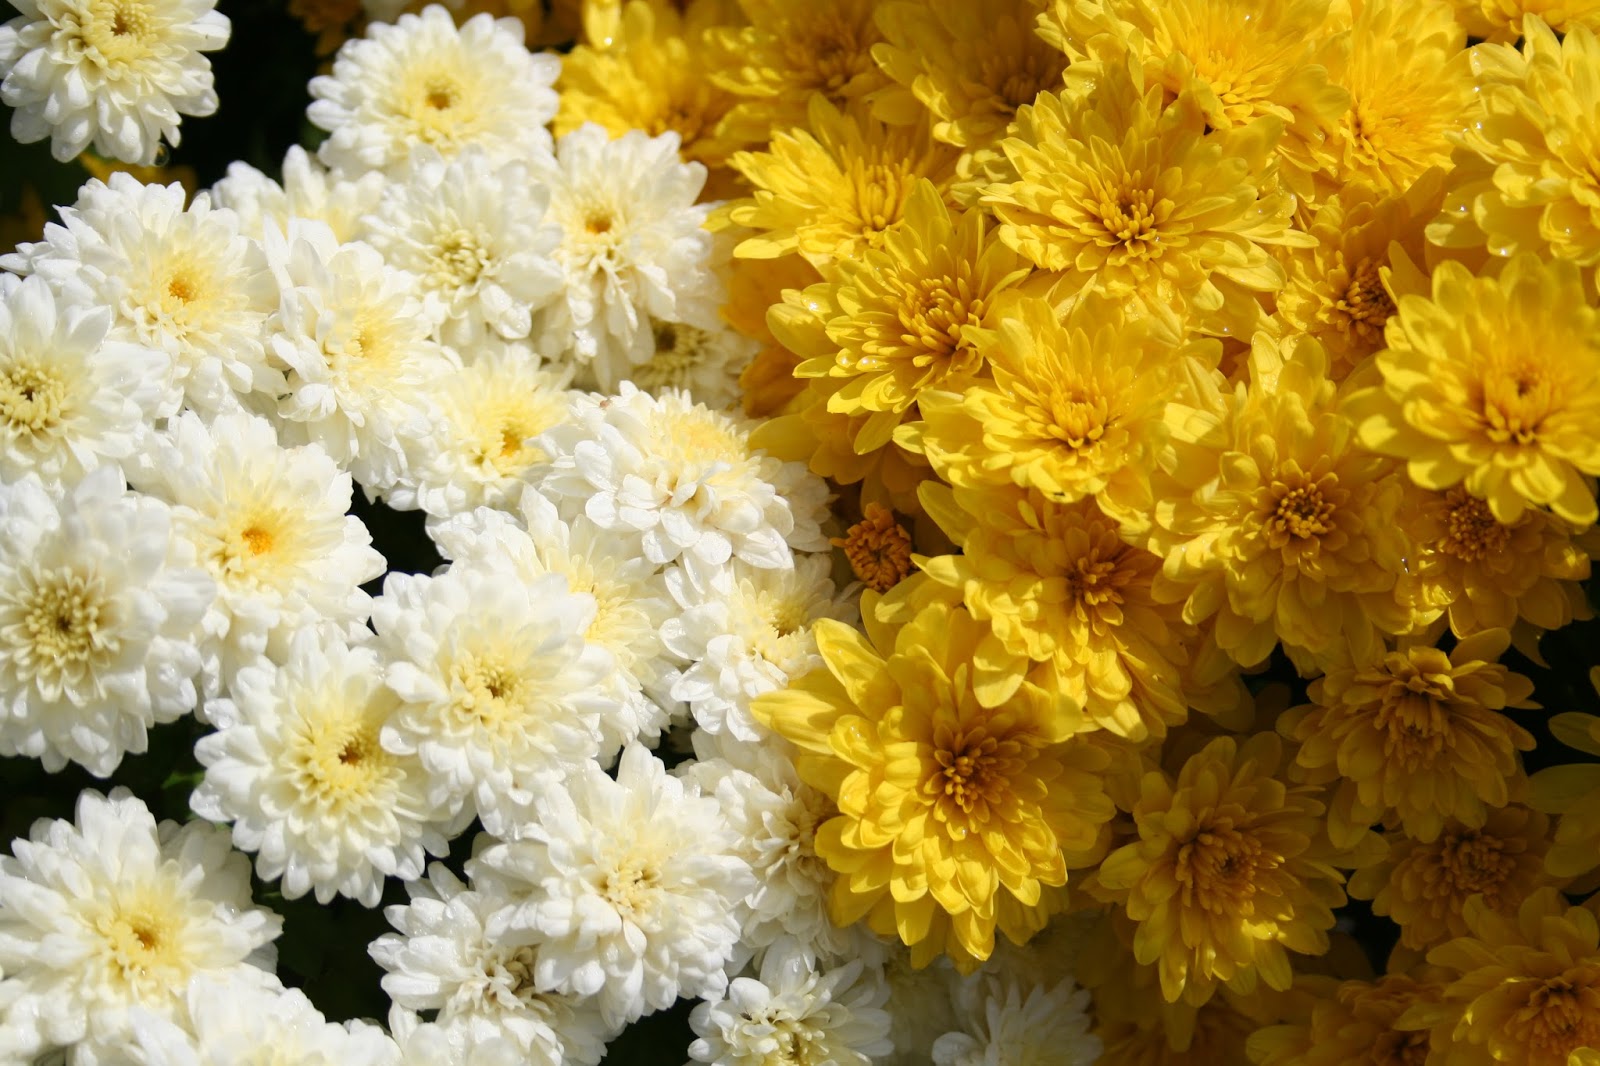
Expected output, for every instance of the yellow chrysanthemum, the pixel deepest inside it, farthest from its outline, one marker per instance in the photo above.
(956, 818)
(1142, 197)
(1241, 59)
(1367, 244)
(901, 318)
(1272, 520)
(966, 66)
(1573, 791)
(1494, 384)
(1522, 990)
(1076, 408)
(1501, 20)
(1416, 734)
(1525, 178)
(1487, 574)
(1349, 1022)
(1058, 585)
(651, 77)
(1423, 886)
(1137, 1026)
(330, 21)
(1410, 82)
(790, 54)
(833, 189)
(1227, 875)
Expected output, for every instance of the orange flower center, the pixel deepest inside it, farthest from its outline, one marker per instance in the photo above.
(1217, 869)
(973, 780)
(1365, 305)
(1561, 1015)
(878, 548)
(1471, 531)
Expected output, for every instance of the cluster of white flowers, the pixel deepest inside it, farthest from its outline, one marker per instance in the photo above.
(191, 394)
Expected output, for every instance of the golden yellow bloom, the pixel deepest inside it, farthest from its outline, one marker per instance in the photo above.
(1488, 574)
(1494, 384)
(878, 549)
(1122, 189)
(1349, 1023)
(1076, 407)
(1411, 87)
(788, 55)
(1059, 585)
(1525, 179)
(955, 817)
(1573, 791)
(1522, 990)
(651, 77)
(331, 21)
(1417, 734)
(1338, 292)
(1501, 20)
(1241, 59)
(1274, 521)
(1227, 875)
(833, 189)
(901, 318)
(967, 66)
(1423, 887)
(1138, 1027)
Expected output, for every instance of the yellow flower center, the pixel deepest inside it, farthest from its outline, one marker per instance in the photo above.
(1071, 415)
(680, 350)
(1302, 512)
(33, 399)
(503, 428)
(64, 621)
(1474, 862)
(1395, 1048)
(972, 780)
(437, 105)
(1562, 1014)
(1365, 305)
(252, 541)
(1471, 531)
(1016, 80)
(1128, 219)
(121, 31)
(1092, 581)
(1414, 723)
(1217, 869)
(1518, 394)
(629, 885)
(141, 940)
(337, 759)
(832, 54)
(459, 259)
(878, 548)
(489, 691)
(933, 315)
(878, 194)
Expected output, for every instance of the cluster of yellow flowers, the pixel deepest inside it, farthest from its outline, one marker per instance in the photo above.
(1151, 343)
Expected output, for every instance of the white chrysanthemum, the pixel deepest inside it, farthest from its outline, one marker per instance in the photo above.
(182, 281)
(479, 989)
(308, 191)
(97, 630)
(682, 476)
(297, 766)
(269, 524)
(469, 229)
(111, 913)
(774, 818)
(428, 1044)
(116, 74)
(69, 399)
(482, 449)
(423, 81)
(1007, 1025)
(630, 885)
(253, 1023)
(633, 248)
(630, 594)
(705, 363)
(795, 1013)
(500, 689)
(356, 344)
(748, 631)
